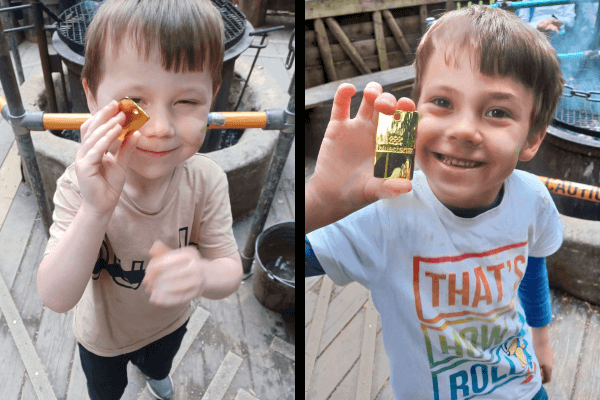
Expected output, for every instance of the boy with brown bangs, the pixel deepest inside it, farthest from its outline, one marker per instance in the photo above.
(456, 263)
(143, 227)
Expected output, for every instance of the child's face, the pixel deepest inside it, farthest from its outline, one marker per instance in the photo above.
(480, 120)
(177, 104)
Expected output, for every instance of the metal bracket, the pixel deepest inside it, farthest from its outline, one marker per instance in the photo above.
(289, 118)
(275, 119)
(216, 119)
(32, 120)
(278, 119)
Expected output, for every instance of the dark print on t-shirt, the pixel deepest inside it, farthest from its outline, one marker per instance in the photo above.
(131, 278)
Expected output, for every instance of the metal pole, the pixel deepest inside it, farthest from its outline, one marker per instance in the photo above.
(22, 134)
(38, 21)
(264, 33)
(284, 144)
(258, 49)
(14, 43)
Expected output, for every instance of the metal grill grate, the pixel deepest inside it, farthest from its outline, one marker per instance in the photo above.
(577, 113)
(74, 22)
(234, 21)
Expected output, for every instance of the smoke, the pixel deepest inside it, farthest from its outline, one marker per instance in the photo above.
(580, 37)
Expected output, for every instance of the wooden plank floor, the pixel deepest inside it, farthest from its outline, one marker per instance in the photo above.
(345, 336)
(234, 348)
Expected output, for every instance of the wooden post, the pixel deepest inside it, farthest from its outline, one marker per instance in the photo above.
(325, 50)
(347, 46)
(423, 12)
(380, 41)
(398, 35)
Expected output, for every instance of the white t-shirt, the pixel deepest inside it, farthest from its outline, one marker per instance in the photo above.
(447, 287)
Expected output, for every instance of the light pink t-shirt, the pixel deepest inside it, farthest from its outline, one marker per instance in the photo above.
(114, 315)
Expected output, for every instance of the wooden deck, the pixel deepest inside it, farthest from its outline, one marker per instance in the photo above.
(348, 360)
(234, 348)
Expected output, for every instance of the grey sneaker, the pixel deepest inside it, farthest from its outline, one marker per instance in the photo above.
(160, 389)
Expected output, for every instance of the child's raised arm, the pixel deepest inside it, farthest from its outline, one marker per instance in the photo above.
(343, 180)
(65, 272)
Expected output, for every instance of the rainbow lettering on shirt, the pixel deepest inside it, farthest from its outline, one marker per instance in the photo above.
(475, 338)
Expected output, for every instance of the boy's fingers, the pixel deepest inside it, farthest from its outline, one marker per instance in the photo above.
(370, 94)
(385, 103)
(341, 102)
(101, 117)
(94, 148)
(394, 187)
(105, 140)
(95, 136)
(378, 188)
(127, 148)
(83, 128)
(405, 104)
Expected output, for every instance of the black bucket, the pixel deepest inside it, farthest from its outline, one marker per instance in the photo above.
(274, 279)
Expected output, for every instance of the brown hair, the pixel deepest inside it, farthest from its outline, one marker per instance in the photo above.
(506, 46)
(189, 34)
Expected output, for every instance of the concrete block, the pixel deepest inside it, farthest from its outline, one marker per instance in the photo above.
(575, 267)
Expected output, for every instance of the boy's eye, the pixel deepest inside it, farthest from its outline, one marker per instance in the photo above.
(497, 113)
(441, 102)
(135, 99)
(188, 102)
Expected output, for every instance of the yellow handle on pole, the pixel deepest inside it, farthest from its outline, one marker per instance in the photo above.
(233, 120)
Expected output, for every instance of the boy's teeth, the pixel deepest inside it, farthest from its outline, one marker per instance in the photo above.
(456, 162)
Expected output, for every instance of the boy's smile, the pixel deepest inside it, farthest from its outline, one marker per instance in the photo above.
(473, 130)
(155, 153)
(177, 104)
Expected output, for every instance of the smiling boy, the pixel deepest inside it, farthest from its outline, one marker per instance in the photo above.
(456, 264)
(465, 153)
(143, 227)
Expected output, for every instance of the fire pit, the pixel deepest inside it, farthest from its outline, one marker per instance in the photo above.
(571, 149)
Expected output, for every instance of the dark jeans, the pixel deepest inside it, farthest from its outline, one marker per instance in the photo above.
(107, 376)
(541, 395)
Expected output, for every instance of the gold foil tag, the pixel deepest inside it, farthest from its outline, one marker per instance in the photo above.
(395, 145)
(135, 117)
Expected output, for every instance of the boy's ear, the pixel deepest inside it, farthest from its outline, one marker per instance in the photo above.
(216, 92)
(532, 144)
(91, 102)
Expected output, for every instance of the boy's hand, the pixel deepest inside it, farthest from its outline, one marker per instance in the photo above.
(543, 351)
(101, 175)
(343, 180)
(174, 276)
(549, 24)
